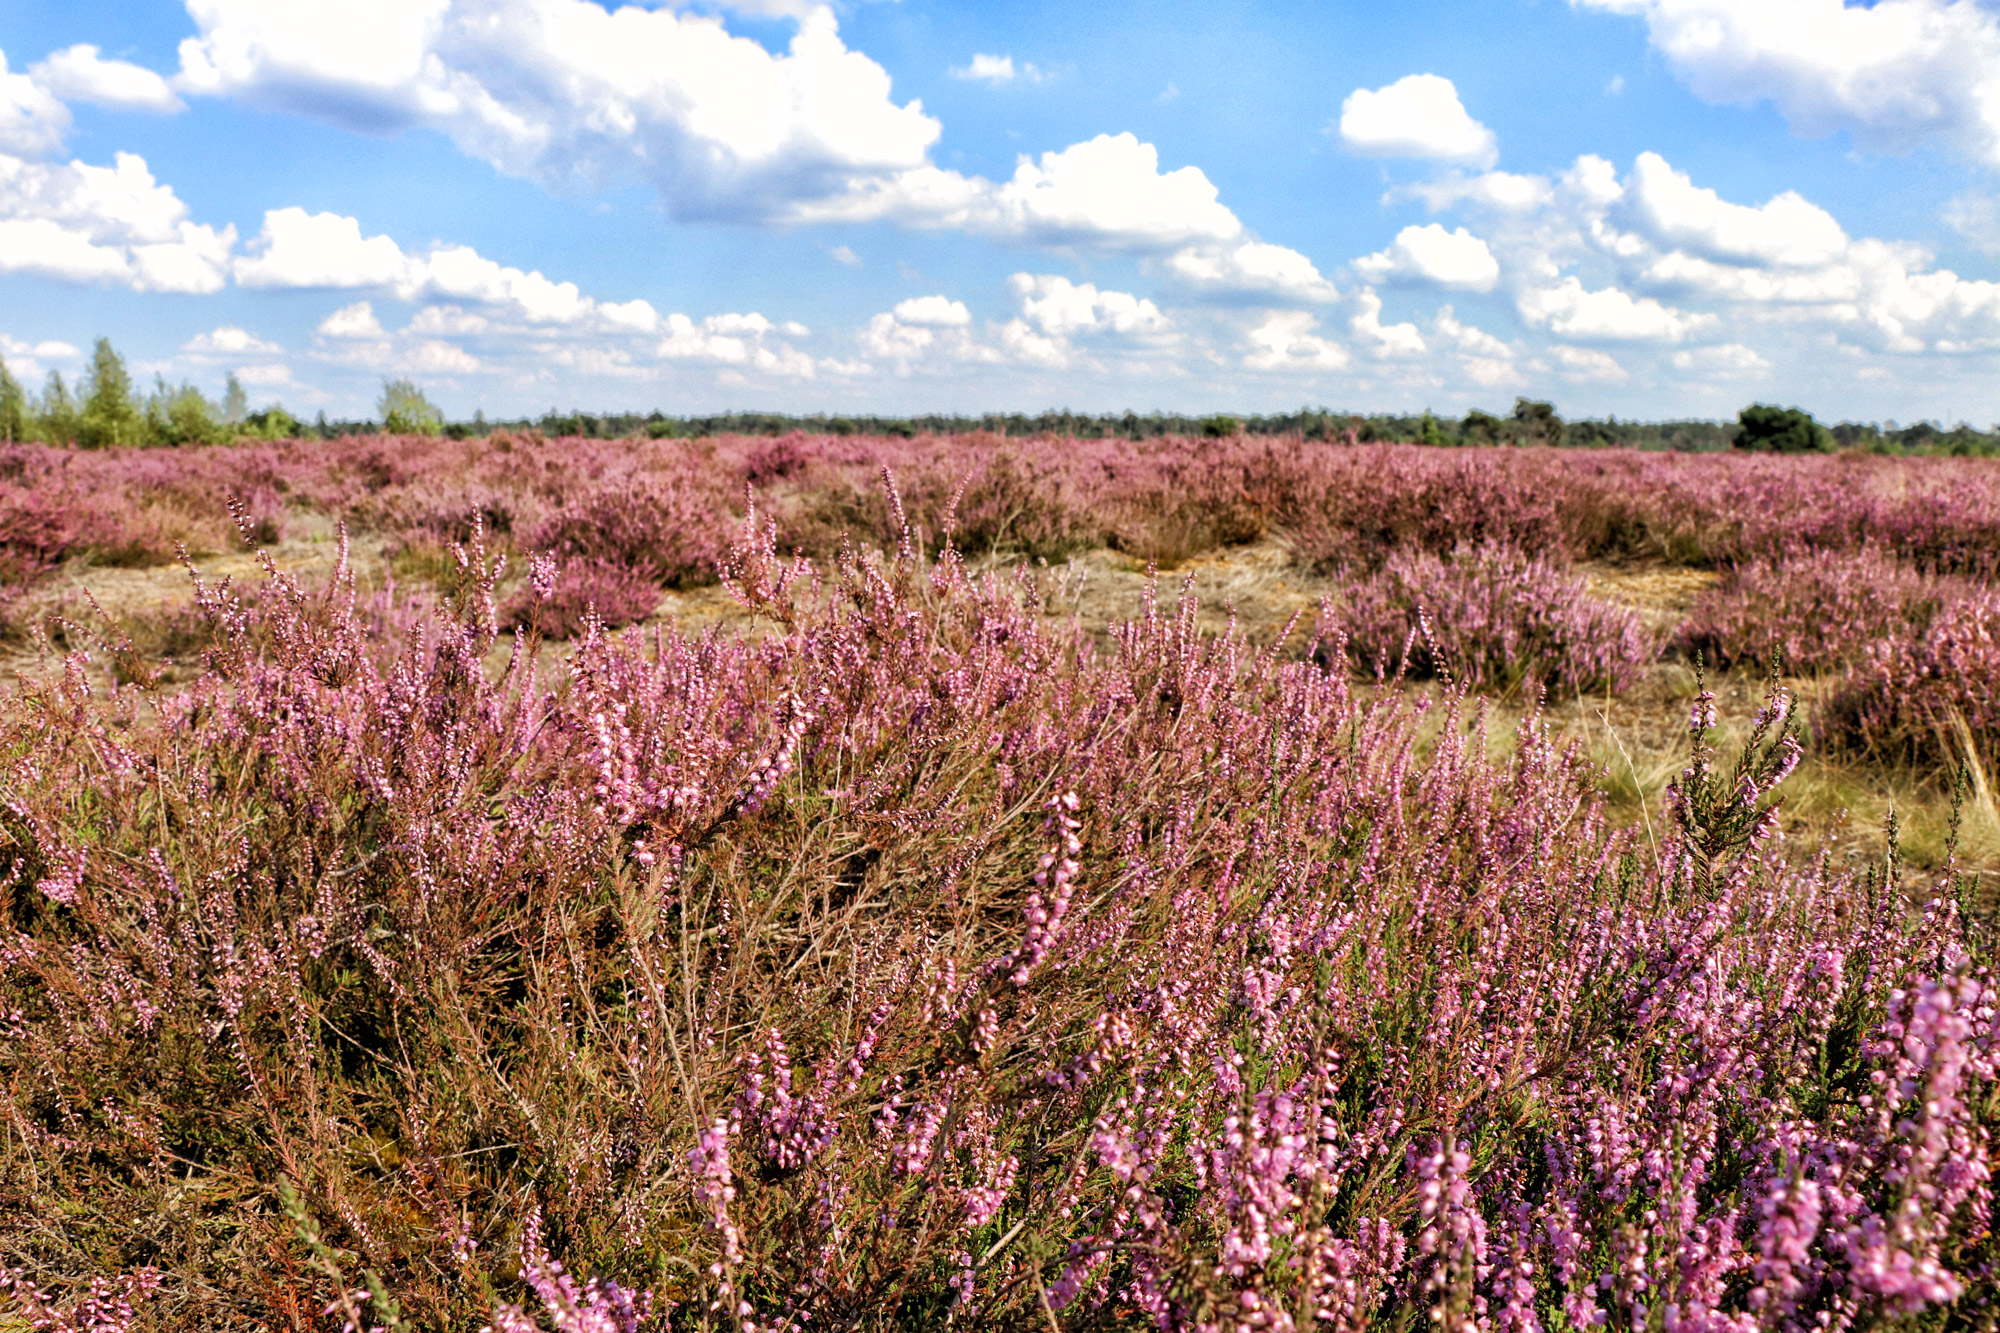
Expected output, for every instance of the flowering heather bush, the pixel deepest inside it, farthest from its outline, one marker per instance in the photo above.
(1488, 616)
(665, 505)
(915, 963)
(575, 591)
(1816, 610)
(1929, 694)
(672, 536)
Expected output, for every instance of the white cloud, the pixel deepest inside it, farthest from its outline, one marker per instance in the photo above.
(28, 361)
(1786, 232)
(116, 225)
(1389, 339)
(301, 249)
(440, 358)
(1060, 308)
(1473, 341)
(736, 340)
(1893, 73)
(229, 341)
(997, 70)
(566, 92)
(1107, 192)
(79, 74)
(445, 320)
(1286, 341)
(1254, 268)
(352, 321)
(1430, 254)
(1495, 191)
(933, 312)
(1729, 360)
(1608, 314)
(1418, 115)
(1587, 365)
(267, 376)
(1110, 190)
(32, 121)
(1061, 323)
(843, 255)
(1976, 217)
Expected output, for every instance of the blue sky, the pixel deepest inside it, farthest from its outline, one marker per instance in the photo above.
(1642, 207)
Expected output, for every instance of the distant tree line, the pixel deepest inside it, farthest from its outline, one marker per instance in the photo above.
(103, 409)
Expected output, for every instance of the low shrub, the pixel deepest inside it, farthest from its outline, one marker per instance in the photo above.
(1488, 616)
(617, 595)
(673, 535)
(1926, 695)
(920, 965)
(1816, 610)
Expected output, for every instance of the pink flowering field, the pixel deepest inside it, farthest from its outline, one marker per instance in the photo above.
(463, 935)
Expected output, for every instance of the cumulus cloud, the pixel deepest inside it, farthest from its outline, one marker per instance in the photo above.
(1892, 74)
(1493, 191)
(1060, 308)
(1607, 314)
(32, 119)
(1107, 192)
(569, 93)
(1588, 365)
(300, 249)
(352, 321)
(1059, 323)
(1430, 254)
(1976, 217)
(79, 74)
(733, 340)
(1387, 339)
(1253, 269)
(1787, 231)
(996, 70)
(1418, 115)
(27, 360)
(114, 225)
(1729, 360)
(1286, 341)
(1466, 338)
(229, 341)
(933, 312)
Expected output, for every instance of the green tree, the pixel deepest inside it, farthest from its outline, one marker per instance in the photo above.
(275, 423)
(235, 403)
(58, 423)
(1536, 422)
(1429, 431)
(13, 407)
(1480, 427)
(406, 411)
(182, 416)
(109, 415)
(1782, 430)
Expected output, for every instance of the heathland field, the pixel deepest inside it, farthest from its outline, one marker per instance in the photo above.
(843, 882)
